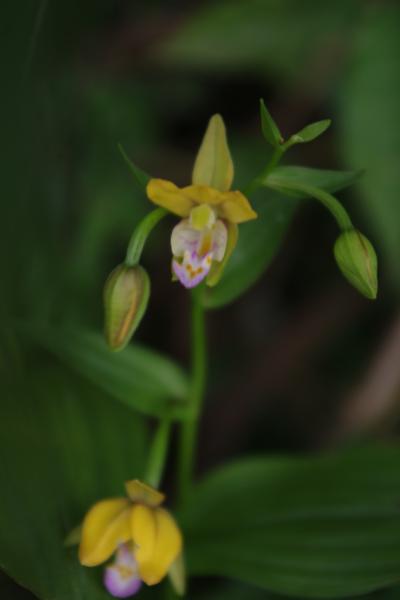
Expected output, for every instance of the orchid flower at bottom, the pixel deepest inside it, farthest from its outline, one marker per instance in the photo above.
(144, 536)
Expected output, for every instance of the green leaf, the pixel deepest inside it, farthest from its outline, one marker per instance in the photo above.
(260, 36)
(310, 132)
(259, 241)
(331, 181)
(140, 176)
(326, 527)
(369, 103)
(269, 127)
(12, 591)
(63, 446)
(138, 377)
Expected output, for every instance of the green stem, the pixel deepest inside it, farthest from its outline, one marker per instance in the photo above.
(189, 428)
(336, 209)
(140, 235)
(261, 177)
(158, 453)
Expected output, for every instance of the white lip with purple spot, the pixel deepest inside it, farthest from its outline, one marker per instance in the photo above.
(192, 270)
(194, 250)
(121, 577)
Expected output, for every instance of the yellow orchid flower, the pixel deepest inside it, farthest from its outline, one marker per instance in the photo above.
(204, 239)
(144, 536)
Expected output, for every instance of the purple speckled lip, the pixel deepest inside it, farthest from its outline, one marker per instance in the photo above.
(193, 269)
(120, 578)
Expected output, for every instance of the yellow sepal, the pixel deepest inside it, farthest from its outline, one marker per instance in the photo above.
(157, 541)
(202, 194)
(143, 493)
(232, 206)
(213, 165)
(236, 208)
(166, 194)
(105, 526)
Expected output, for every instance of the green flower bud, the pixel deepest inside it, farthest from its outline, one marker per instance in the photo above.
(357, 260)
(126, 294)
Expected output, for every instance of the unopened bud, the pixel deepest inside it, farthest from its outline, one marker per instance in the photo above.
(357, 260)
(126, 294)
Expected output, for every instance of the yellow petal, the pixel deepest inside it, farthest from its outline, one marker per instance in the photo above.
(143, 529)
(157, 540)
(213, 165)
(217, 268)
(168, 195)
(106, 525)
(236, 208)
(202, 194)
(143, 493)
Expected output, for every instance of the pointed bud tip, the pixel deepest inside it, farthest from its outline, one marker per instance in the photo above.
(217, 117)
(357, 260)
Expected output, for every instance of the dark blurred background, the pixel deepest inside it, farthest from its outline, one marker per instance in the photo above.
(299, 362)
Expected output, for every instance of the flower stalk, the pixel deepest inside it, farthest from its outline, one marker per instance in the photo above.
(189, 428)
(336, 209)
(158, 454)
(258, 181)
(140, 235)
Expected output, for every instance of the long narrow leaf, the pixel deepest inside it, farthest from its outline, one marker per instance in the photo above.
(140, 378)
(331, 181)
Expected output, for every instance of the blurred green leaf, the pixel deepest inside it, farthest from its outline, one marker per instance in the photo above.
(326, 527)
(140, 177)
(269, 128)
(11, 591)
(259, 241)
(138, 377)
(257, 35)
(369, 101)
(331, 181)
(311, 132)
(63, 446)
